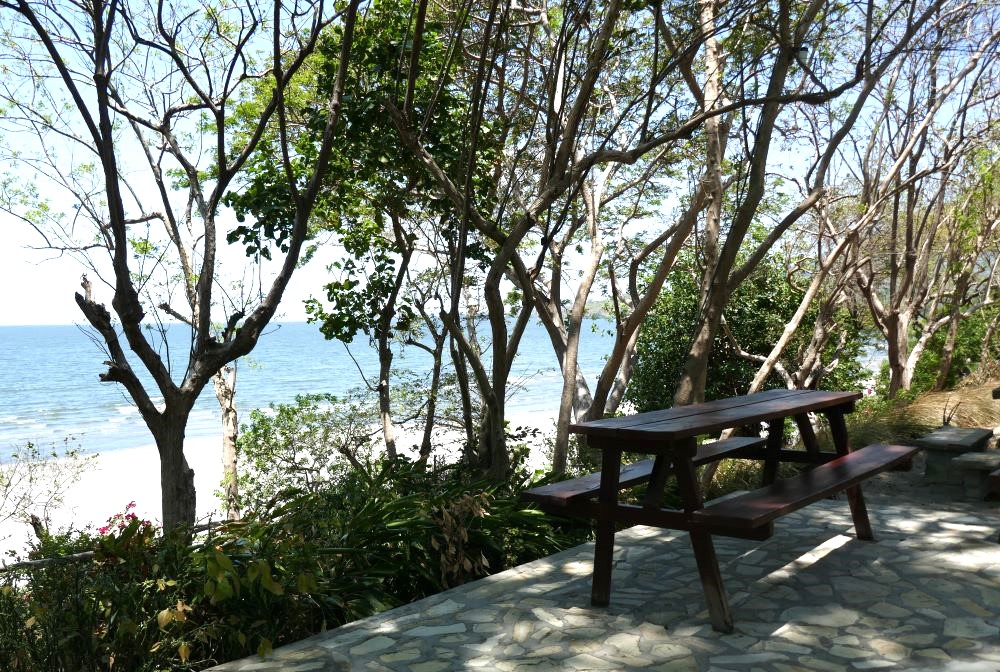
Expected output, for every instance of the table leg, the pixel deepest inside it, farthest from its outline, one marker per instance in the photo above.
(855, 499)
(704, 549)
(604, 544)
(711, 581)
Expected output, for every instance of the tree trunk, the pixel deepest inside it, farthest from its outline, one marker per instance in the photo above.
(225, 391)
(494, 441)
(714, 295)
(462, 380)
(593, 193)
(714, 145)
(560, 450)
(948, 352)
(176, 477)
(691, 387)
(425, 443)
(384, 401)
(898, 348)
(985, 352)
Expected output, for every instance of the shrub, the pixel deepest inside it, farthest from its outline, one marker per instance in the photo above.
(314, 559)
(301, 445)
(755, 316)
(965, 359)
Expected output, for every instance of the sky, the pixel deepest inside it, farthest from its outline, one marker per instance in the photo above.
(37, 287)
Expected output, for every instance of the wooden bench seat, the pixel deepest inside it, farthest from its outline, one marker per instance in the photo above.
(764, 505)
(564, 493)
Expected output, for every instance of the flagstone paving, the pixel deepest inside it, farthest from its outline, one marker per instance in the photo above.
(925, 596)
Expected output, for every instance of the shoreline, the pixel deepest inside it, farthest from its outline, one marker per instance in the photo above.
(117, 477)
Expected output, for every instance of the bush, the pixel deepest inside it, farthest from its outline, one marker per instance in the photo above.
(314, 559)
(965, 360)
(756, 316)
(301, 445)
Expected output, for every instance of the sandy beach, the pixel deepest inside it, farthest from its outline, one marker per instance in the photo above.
(118, 477)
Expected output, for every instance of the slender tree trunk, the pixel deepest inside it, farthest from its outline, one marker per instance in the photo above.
(948, 352)
(898, 348)
(560, 450)
(462, 380)
(713, 145)
(384, 401)
(792, 326)
(425, 443)
(985, 352)
(225, 391)
(593, 193)
(714, 293)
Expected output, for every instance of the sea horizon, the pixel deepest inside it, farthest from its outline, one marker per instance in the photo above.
(50, 394)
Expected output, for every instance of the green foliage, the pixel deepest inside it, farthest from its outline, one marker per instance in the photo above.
(373, 184)
(965, 360)
(755, 316)
(372, 539)
(301, 445)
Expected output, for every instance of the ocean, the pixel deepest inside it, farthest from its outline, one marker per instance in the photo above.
(50, 393)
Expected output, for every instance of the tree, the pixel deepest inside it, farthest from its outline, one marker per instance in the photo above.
(880, 39)
(738, 106)
(932, 135)
(755, 318)
(132, 105)
(375, 202)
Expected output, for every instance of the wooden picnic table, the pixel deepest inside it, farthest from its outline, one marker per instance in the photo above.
(671, 437)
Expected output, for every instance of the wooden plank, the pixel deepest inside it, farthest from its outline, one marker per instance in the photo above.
(706, 418)
(772, 451)
(657, 483)
(565, 492)
(855, 499)
(785, 496)
(704, 550)
(666, 414)
(794, 456)
(807, 433)
(750, 414)
(669, 519)
(734, 447)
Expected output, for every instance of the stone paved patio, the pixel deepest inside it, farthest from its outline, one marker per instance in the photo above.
(925, 596)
